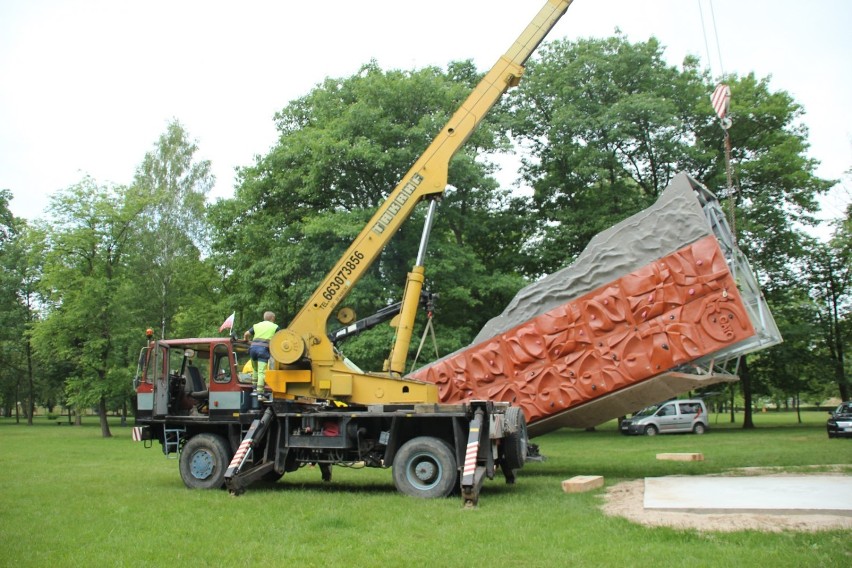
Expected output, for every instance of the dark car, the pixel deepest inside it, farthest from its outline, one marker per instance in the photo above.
(840, 423)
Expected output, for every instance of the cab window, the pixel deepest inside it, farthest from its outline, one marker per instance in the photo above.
(243, 365)
(222, 365)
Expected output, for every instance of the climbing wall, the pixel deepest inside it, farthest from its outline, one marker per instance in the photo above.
(675, 310)
(649, 295)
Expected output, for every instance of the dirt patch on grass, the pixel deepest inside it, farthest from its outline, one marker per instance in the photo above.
(627, 500)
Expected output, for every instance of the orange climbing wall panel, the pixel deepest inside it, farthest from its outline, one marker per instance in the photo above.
(675, 310)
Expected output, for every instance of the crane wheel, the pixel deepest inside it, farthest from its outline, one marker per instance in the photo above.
(203, 461)
(425, 467)
(515, 442)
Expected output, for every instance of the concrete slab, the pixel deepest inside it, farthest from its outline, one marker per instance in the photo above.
(785, 494)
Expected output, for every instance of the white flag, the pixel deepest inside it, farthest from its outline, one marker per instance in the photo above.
(228, 323)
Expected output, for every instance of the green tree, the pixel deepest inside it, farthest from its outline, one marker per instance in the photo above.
(798, 368)
(89, 296)
(775, 188)
(21, 249)
(13, 312)
(609, 124)
(29, 271)
(341, 149)
(172, 186)
(830, 278)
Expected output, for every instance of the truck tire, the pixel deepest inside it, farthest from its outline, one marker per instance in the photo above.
(699, 428)
(515, 444)
(425, 467)
(203, 461)
(650, 430)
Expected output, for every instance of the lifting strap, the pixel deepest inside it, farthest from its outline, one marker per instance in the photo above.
(732, 197)
(721, 100)
(430, 327)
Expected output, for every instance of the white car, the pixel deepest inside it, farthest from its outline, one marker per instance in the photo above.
(668, 418)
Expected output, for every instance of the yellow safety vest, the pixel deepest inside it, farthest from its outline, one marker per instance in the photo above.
(264, 329)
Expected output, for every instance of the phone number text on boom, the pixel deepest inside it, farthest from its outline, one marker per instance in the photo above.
(341, 277)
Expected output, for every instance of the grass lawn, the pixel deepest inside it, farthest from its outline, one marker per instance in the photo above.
(72, 498)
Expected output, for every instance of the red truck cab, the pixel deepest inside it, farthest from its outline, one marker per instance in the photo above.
(198, 378)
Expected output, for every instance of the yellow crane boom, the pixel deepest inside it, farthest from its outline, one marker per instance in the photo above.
(305, 360)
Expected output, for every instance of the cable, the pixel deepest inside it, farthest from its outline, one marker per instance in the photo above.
(722, 111)
(704, 32)
(716, 36)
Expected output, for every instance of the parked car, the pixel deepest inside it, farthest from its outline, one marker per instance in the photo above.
(668, 418)
(839, 425)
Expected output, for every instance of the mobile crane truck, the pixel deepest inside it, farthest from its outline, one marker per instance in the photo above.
(655, 306)
(323, 409)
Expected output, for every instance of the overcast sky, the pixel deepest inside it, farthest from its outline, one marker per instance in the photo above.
(87, 86)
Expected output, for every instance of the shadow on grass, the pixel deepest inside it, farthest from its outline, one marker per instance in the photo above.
(494, 486)
(324, 486)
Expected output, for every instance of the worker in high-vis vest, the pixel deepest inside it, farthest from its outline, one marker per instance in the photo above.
(260, 334)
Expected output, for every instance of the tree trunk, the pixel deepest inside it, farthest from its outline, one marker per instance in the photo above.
(102, 410)
(745, 383)
(17, 398)
(837, 328)
(31, 396)
(733, 404)
(838, 363)
(842, 384)
(798, 408)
